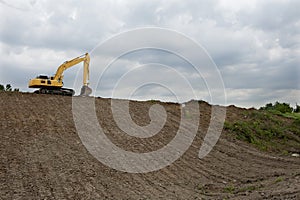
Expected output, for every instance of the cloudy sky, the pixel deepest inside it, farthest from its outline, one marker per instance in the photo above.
(255, 46)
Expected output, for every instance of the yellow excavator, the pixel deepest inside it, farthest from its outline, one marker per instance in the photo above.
(54, 84)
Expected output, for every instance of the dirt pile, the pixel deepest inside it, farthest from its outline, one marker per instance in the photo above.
(42, 157)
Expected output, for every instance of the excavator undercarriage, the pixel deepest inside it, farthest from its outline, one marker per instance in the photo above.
(57, 91)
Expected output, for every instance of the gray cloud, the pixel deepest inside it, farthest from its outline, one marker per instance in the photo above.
(255, 44)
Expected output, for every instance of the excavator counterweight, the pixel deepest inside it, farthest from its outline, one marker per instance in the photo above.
(54, 84)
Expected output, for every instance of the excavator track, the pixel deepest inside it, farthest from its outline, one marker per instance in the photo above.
(56, 91)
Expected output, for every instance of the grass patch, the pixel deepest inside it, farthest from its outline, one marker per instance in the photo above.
(292, 115)
(267, 131)
(251, 188)
(285, 152)
(229, 189)
(287, 115)
(279, 179)
(153, 101)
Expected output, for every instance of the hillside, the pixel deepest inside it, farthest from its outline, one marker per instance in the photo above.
(42, 156)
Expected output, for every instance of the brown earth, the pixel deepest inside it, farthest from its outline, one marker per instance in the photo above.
(42, 157)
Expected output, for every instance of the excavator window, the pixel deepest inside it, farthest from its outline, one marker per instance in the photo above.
(42, 77)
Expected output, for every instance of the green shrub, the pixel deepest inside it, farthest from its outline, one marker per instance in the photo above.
(229, 189)
(280, 107)
(266, 131)
(8, 88)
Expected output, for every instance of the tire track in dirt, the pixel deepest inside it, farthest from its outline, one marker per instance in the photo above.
(43, 157)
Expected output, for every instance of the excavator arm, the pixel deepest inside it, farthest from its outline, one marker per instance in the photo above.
(84, 58)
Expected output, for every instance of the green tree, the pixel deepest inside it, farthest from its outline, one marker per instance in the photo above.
(283, 107)
(268, 106)
(1, 87)
(8, 87)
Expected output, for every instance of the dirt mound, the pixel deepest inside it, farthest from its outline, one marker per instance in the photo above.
(42, 157)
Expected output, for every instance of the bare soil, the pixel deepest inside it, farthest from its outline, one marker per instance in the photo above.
(42, 157)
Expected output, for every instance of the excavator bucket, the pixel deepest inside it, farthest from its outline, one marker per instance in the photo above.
(85, 91)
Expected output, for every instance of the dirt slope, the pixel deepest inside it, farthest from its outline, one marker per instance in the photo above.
(42, 157)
